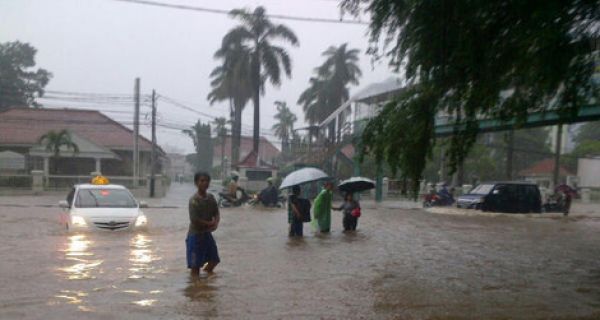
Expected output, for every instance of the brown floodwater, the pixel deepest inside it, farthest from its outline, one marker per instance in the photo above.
(401, 264)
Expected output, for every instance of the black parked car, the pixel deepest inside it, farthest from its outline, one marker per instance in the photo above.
(509, 196)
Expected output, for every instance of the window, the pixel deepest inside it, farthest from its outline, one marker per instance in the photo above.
(104, 198)
(482, 189)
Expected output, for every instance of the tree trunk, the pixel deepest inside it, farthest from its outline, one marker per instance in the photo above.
(236, 135)
(256, 101)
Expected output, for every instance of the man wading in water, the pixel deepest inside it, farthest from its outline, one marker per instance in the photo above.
(201, 248)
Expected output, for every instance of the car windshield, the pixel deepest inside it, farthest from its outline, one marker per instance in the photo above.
(482, 189)
(104, 198)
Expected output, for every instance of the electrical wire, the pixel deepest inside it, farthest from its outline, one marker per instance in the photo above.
(227, 12)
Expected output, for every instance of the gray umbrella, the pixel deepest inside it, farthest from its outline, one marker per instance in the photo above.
(302, 176)
(356, 184)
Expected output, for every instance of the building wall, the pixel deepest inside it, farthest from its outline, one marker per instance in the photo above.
(588, 171)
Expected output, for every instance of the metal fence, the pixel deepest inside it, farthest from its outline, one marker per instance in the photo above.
(16, 181)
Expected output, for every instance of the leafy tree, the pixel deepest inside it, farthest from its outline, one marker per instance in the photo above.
(19, 84)
(231, 81)
(201, 137)
(55, 140)
(472, 59)
(257, 33)
(328, 89)
(284, 128)
(589, 131)
(220, 128)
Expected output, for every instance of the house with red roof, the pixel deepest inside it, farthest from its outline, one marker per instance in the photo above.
(542, 172)
(267, 152)
(105, 145)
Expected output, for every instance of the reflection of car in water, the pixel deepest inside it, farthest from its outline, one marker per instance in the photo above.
(102, 207)
(509, 197)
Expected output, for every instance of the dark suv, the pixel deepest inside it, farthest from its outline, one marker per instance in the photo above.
(508, 196)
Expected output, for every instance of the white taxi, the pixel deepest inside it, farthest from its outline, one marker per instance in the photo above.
(102, 206)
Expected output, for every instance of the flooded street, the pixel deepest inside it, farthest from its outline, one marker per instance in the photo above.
(401, 264)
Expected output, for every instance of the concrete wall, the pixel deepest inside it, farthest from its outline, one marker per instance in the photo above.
(588, 171)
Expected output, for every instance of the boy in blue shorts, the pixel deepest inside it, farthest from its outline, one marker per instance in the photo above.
(201, 248)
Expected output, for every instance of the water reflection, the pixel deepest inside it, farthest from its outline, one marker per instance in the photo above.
(77, 250)
(201, 290)
(141, 257)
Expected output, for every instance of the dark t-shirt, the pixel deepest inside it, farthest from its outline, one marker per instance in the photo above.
(201, 208)
(292, 199)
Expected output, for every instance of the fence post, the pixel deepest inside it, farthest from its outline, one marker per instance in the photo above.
(37, 183)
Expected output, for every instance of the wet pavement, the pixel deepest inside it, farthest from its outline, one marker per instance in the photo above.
(401, 264)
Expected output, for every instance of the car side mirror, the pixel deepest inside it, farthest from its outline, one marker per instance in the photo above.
(63, 204)
(143, 204)
(496, 192)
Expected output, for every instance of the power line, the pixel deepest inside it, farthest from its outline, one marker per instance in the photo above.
(226, 12)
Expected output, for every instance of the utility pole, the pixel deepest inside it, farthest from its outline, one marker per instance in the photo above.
(556, 175)
(136, 133)
(153, 152)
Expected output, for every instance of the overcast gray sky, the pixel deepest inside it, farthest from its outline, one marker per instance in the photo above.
(102, 45)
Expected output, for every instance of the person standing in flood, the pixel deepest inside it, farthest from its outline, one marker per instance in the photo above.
(294, 215)
(351, 210)
(201, 248)
(322, 209)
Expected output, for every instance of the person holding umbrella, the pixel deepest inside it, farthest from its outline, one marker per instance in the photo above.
(294, 214)
(351, 210)
(322, 209)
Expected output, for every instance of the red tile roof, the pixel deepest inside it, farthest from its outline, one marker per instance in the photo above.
(24, 126)
(251, 160)
(544, 168)
(266, 149)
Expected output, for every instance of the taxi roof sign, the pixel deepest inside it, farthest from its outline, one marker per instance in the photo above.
(100, 180)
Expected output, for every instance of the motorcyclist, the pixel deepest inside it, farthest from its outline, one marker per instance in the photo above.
(231, 193)
(445, 195)
(268, 196)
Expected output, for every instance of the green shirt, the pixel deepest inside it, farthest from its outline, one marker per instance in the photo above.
(201, 209)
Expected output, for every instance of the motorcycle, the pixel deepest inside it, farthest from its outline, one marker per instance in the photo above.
(558, 202)
(255, 200)
(225, 200)
(435, 200)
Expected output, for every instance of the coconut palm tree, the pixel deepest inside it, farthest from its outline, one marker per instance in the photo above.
(284, 128)
(259, 34)
(55, 140)
(328, 89)
(231, 81)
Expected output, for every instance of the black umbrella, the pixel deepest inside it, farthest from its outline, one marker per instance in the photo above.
(356, 184)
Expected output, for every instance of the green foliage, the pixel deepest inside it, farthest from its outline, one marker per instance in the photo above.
(200, 134)
(55, 140)
(258, 35)
(19, 85)
(471, 59)
(328, 89)
(487, 159)
(589, 131)
(284, 128)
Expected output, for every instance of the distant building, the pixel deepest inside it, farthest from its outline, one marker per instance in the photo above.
(267, 152)
(105, 145)
(179, 168)
(542, 172)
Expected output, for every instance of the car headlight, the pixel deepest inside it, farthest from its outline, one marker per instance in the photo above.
(78, 221)
(141, 221)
